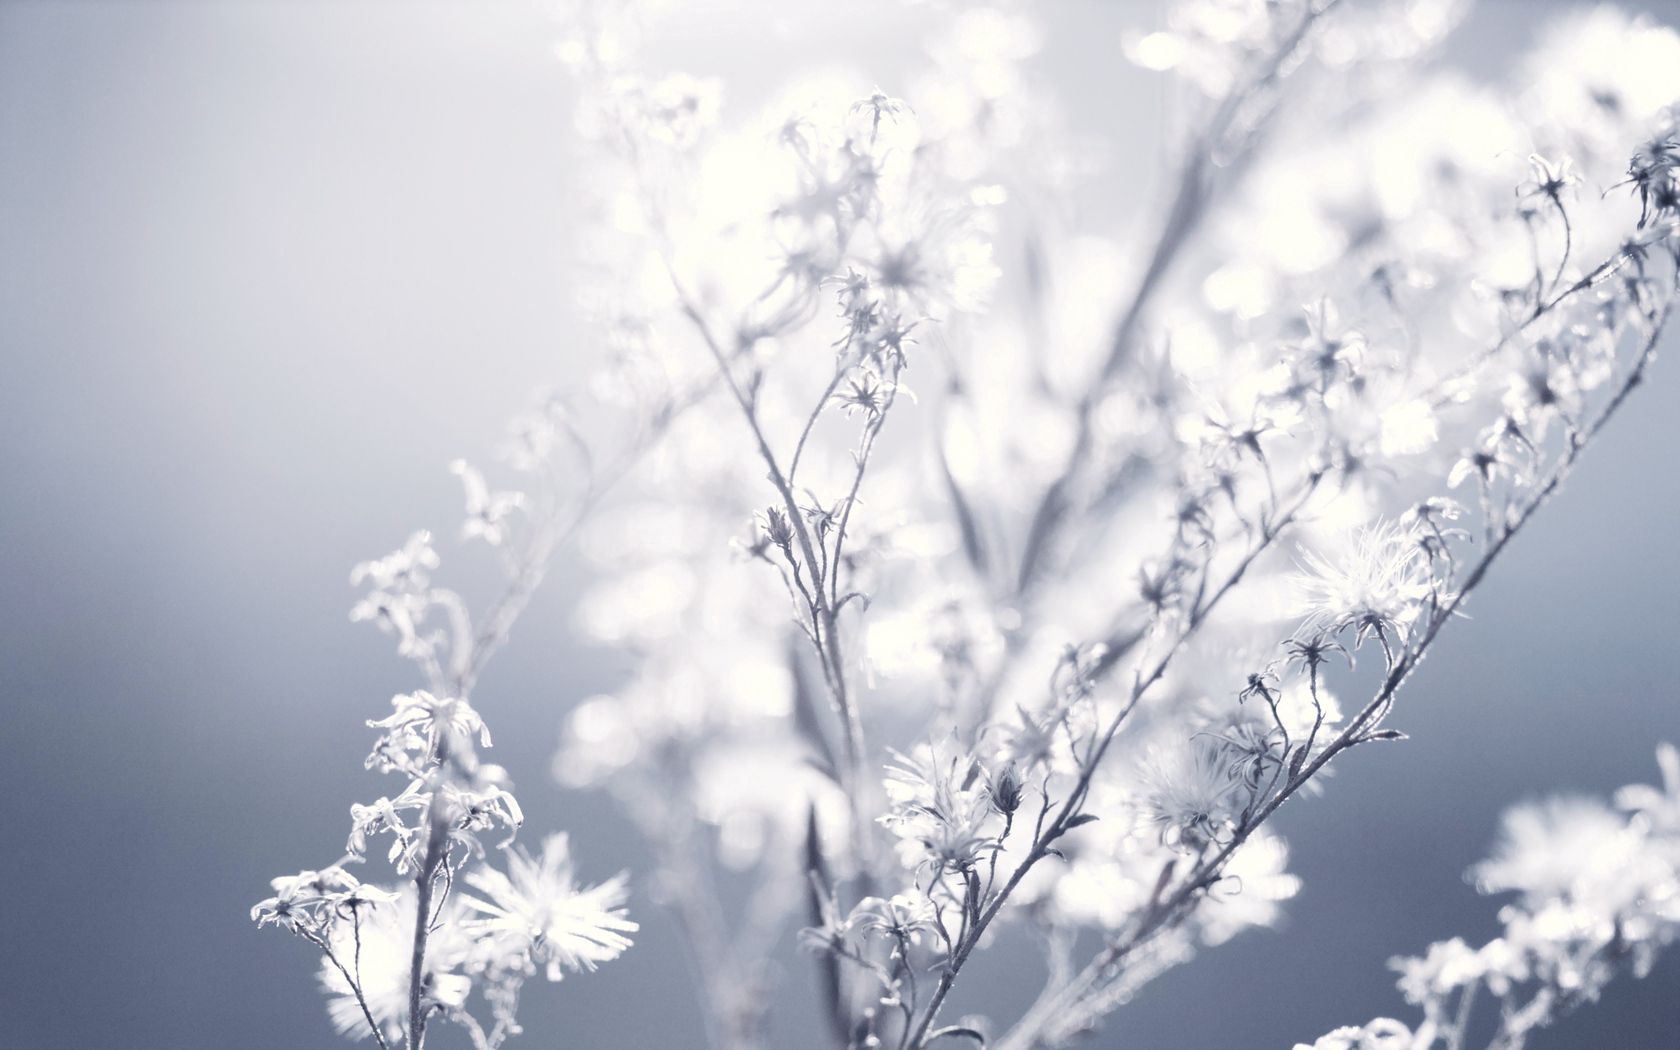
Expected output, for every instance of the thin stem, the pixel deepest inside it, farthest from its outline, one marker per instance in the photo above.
(1184, 216)
(437, 837)
(1461, 1024)
(811, 422)
(554, 532)
(354, 982)
(867, 446)
(825, 625)
(1071, 805)
(1441, 393)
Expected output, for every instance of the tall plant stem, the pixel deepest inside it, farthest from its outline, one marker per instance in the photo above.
(437, 838)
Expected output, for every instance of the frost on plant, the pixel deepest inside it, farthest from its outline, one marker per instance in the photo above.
(977, 568)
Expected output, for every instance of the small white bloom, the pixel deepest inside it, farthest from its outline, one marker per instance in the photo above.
(1190, 793)
(1377, 587)
(537, 914)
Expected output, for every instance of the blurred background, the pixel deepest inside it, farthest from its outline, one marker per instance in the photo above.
(266, 268)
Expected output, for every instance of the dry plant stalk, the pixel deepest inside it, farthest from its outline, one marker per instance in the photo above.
(1050, 641)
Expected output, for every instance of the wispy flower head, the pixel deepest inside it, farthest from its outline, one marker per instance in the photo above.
(1190, 792)
(1378, 587)
(423, 727)
(941, 806)
(537, 914)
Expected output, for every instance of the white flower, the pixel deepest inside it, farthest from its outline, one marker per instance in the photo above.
(298, 899)
(1599, 68)
(1190, 792)
(1384, 1033)
(402, 570)
(398, 592)
(940, 806)
(1408, 428)
(1446, 967)
(537, 914)
(906, 916)
(1378, 587)
(1556, 848)
(425, 723)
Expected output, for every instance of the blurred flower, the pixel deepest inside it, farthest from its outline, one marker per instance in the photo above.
(1382, 1034)
(1658, 805)
(1252, 889)
(1551, 848)
(486, 510)
(1191, 793)
(376, 950)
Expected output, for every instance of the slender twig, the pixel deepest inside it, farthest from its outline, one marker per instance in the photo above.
(552, 534)
(437, 837)
(1184, 216)
(825, 621)
(354, 983)
(1071, 806)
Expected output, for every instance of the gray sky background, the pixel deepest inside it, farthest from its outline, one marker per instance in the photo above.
(266, 268)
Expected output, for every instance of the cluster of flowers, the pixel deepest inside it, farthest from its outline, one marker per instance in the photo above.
(1598, 893)
(393, 959)
(1067, 635)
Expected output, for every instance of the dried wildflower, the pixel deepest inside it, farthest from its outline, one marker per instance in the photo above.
(1004, 789)
(1653, 172)
(1378, 588)
(1192, 794)
(1597, 893)
(300, 900)
(1483, 464)
(536, 914)
(427, 728)
(905, 918)
(1073, 455)
(1332, 351)
(399, 592)
(864, 393)
(941, 807)
(1549, 180)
